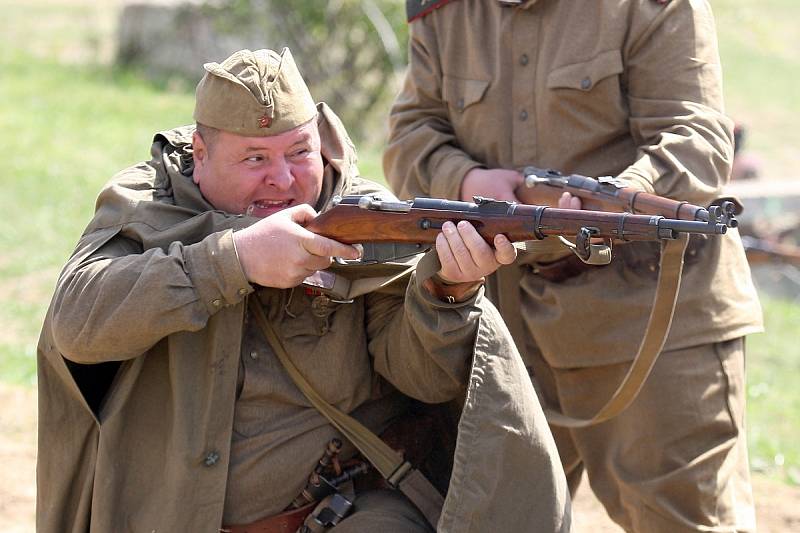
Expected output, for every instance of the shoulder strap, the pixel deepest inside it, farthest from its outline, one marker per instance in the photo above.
(658, 325)
(392, 466)
(416, 9)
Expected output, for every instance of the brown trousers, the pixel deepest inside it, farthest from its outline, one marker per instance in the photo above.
(676, 459)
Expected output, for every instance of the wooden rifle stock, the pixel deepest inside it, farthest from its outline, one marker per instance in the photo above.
(368, 219)
(610, 194)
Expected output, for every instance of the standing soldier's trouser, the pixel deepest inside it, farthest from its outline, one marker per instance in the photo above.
(676, 459)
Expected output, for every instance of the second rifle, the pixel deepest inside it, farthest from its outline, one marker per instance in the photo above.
(611, 194)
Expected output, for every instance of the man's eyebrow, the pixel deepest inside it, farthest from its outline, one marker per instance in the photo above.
(306, 137)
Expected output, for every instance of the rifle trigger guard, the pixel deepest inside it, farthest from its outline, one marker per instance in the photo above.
(591, 254)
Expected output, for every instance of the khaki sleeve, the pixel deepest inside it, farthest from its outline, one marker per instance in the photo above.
(674, 83)
(422, 157)
(424, 347)
(115, 301)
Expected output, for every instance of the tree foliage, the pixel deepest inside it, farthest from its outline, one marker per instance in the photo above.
(351, 52)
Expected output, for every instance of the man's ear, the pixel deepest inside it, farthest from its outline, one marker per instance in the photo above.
(199, 155)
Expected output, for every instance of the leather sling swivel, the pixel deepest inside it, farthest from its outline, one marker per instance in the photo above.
(388, 462)
(658, 326)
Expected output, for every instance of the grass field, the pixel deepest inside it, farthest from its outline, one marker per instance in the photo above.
(69, 121)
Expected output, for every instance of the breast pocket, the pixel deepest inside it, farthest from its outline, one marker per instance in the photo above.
(590, 93)
(462, 93)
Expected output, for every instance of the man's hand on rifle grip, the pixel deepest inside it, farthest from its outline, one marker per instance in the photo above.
(466, 257)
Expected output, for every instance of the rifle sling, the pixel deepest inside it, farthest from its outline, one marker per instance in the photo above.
(658, 325)
(392, 466)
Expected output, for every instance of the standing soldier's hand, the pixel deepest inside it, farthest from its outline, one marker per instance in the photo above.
(495, 183)
(567, 201)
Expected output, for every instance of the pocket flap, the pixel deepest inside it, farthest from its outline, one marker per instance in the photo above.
(584, 76)
(462, 93)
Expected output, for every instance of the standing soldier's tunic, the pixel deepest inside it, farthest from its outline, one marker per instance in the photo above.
(629, 89)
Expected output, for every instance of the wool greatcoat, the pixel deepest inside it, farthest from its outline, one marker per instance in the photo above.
(141, 372)
(630, 89)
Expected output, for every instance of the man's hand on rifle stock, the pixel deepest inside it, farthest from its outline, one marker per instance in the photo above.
(277, 251)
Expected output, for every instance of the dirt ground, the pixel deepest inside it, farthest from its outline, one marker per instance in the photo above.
(778, 504)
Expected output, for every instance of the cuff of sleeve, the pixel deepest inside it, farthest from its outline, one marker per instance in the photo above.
(446, 297)
(449, 174)
(215, 271)
(640, 178)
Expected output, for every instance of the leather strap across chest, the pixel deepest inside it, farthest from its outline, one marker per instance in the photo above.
(392, 466)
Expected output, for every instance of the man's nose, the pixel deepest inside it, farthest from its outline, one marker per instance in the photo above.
(279, 175)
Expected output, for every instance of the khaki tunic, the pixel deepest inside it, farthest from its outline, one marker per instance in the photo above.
(147, 408)
(592, 87)
(601, 87)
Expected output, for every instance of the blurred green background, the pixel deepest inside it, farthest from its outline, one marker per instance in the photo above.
(69, 120)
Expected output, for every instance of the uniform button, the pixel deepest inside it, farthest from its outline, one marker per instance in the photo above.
(523, 115)
(460, 104)
(242, 291)
(652, 267)
(216, 303)
(586, 83)
(254, 355)
(523, 59)
(211, 459)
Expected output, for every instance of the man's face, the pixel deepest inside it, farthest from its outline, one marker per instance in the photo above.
(260, 176)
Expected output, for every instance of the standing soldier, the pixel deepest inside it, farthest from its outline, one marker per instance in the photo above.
(630, 89)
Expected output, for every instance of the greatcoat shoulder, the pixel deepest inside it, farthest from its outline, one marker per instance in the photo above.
(416, 9)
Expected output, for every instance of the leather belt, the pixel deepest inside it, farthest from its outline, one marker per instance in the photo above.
(562, 269)
(286, 522)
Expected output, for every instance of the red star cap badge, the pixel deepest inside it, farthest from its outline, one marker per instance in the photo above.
(264, 122)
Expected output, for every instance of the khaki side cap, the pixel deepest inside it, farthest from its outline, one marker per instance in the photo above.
(255, 94)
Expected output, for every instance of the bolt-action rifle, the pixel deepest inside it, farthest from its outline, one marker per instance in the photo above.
(611, 194)
(368, 219)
